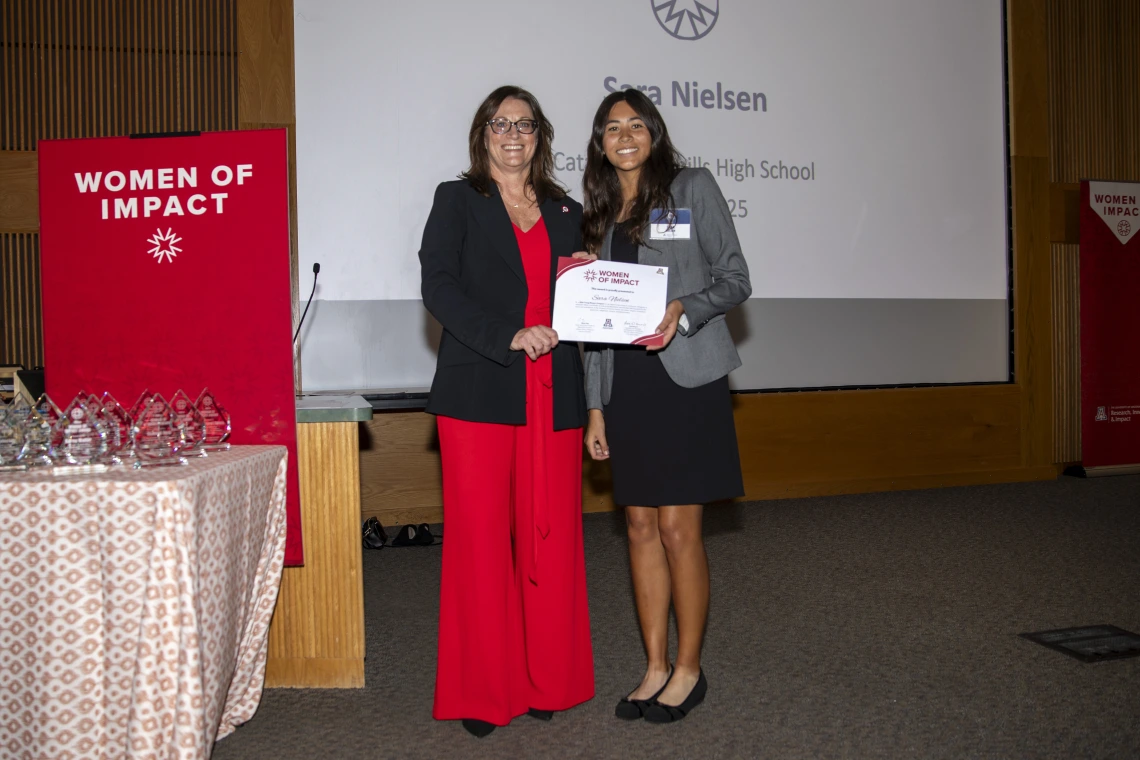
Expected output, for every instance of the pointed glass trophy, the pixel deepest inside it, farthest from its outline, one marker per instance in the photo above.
(143, 398)
(217, 421)
(38, 434)
(50, 413)
(192, 424)
(83, 439)
(112, 437)
(157, 435)
(121, 444)
(12, 437)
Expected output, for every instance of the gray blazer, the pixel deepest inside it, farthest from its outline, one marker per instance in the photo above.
(707, 273)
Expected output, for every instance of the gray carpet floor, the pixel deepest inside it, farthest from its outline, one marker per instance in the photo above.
(868, 626)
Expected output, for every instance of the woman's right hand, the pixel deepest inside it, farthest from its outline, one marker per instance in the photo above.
(584, 256)
(596, 436)
(536, 341)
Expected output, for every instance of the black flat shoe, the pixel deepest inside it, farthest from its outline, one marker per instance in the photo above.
(659, 713)
(479, 728)
(634, 709)
(540, 714)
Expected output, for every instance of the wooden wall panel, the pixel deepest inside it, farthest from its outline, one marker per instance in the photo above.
(19, 191)
(1026, 36)
(1027, 53)
(265, 31)
(267, 100)
(317, 634)
(1066, 283)
(1094, 93)
(1032, 308)
(1094, 127)
(399, 468)
(21, 326)
(791, 445)
(98, 68)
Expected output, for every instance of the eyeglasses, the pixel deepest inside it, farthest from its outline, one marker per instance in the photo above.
(502, 126)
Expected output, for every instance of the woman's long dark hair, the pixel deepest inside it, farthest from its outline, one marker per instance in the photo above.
(603, 201)
(542, 179)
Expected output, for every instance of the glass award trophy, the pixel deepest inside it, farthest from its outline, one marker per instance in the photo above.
(217, 421)
(111, 435)
(157, 435)
(12, 437)
(50, 414)
(192, 424)
(144, 397)
(120, 444)
(83, 439)
(38, 433)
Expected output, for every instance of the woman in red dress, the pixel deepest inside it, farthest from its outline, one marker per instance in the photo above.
(514, 629)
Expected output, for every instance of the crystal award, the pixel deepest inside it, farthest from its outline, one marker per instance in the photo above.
(83, 439)
(111, 435)
(11, 437)
(38, 433)
(217, 421)
(120, 445)
(50, 414)
(137, 409)
(191, 422)
(157, 435)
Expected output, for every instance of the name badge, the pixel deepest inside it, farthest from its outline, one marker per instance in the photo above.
(670, 225)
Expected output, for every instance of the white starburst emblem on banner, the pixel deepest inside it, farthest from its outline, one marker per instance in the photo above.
(164, 245)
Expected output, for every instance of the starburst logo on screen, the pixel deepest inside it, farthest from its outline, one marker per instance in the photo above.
(1124, 228)
(686, 19)
(164, 245)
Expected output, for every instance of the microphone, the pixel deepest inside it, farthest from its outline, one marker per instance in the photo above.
(316, 271)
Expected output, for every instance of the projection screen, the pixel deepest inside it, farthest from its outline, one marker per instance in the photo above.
(860, 143)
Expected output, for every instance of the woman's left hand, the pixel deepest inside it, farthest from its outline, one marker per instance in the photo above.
(584, 256)
(668, 326)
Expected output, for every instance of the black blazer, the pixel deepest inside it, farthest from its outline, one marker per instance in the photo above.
(473, 283)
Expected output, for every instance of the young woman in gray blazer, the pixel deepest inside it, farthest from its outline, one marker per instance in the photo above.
(664, 417)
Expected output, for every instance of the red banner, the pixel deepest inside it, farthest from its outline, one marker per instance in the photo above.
(1110, 323)
(165, 265)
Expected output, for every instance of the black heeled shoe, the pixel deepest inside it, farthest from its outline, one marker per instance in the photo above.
(478, 728)
(660, 713)
(540, 714)
(634, 709)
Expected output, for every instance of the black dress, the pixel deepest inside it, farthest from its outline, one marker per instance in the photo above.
(668, 444)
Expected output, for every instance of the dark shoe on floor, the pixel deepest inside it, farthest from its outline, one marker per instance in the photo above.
(414, 535)
(372, 534)
(540, 714)
(424, 536)
(408, 535)
(634, 709)
(659, 713)
(479, 728)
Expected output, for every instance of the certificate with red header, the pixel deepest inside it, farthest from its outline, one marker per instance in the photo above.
(609, 302)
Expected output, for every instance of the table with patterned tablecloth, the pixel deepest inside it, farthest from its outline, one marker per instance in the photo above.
(135, 605)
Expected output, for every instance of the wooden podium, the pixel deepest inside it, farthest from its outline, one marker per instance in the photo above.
(316, 639)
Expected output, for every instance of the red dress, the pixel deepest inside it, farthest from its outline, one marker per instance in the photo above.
(514, 628)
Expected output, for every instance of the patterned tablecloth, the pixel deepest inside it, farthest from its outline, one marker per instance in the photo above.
(135, 605)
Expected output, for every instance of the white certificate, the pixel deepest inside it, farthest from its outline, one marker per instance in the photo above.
(608, 302)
